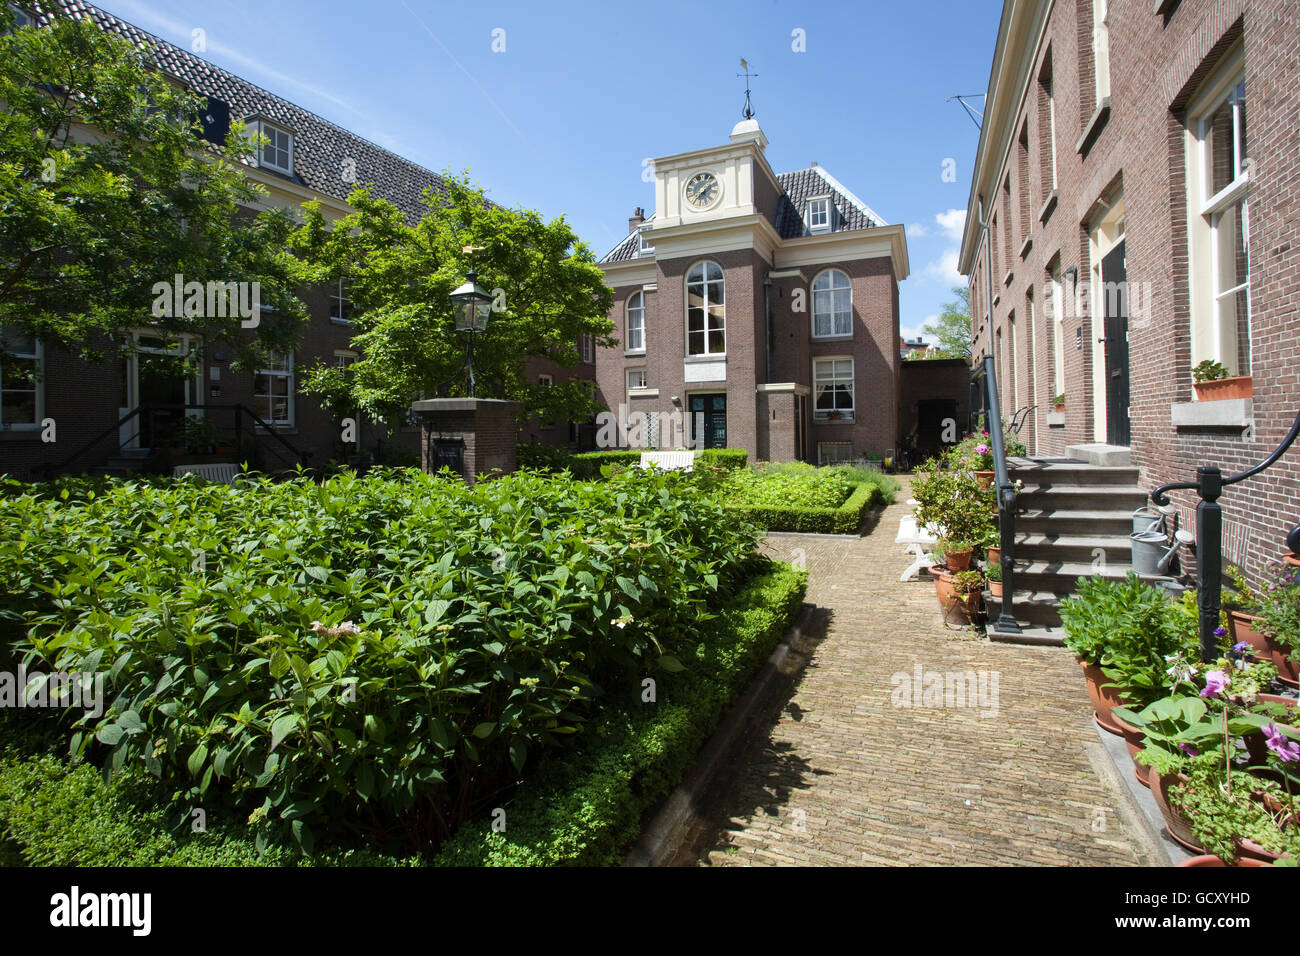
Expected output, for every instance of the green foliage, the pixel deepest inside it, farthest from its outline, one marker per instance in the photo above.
(846, 519)
(887, 485)
(551, 294)
(543, 457)
(804, 486)
(200, 434)
(1128, 628)
(994, 571)
(1226, 806)
(589, 466)
(89, 225)
(1058, 399)
(584, 807)
(967, 582)
(952, 326)
(1208, 371)
(1279, 606)
(952, 499)
(379, 652)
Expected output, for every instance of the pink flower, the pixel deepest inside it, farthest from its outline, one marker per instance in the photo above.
(1215, 682)
(981, 449)
(1287, 750)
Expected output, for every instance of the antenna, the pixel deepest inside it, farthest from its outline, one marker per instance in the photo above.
(749, 110)
(975, 115)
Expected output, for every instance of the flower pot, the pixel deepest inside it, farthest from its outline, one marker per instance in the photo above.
(994, 555)
(1239, 386)
(1059, 408)
(995, 588)
(1255, 744)
(1250, 853)
(985, 478)
(1176, 824)
(958, 560)
(1103, 698)
(1135, 740)
(1245, 627)
(1209, 859)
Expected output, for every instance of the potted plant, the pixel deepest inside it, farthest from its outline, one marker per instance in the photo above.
(200, 436)
(1213, 383)
(966, 586)
(1235, 815)
(1279, 625)
(949, 497)
(994, 573)
(957, 553)
(1058, 402)
(993, 545)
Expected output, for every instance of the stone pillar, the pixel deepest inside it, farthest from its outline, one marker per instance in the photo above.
(473, 436)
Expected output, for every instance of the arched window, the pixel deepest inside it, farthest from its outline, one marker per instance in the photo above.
(832, 305)
(706, 324)
(635, 323)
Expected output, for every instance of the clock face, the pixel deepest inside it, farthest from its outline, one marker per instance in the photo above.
(702, 190)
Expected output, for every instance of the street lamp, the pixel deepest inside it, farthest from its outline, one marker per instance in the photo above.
(473, 306)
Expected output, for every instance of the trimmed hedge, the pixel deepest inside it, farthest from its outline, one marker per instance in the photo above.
(586, 466)
(586, 807)
(846, 519)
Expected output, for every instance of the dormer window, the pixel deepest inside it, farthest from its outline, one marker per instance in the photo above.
(819, 214)
(277, 151)
(644, 248)
(20, 16)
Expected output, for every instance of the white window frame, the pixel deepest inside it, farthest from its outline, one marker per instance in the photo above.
(824, 446)
(640, 374)
(822, 416)
(1212, 336)
(644, 248)
(545, 380)
(705, 283)
(287, 373)
(1101, 48)
(339, 293)
(820, 208)
(1056, 303)
(835, 331)
(257, 124)
(587, 347)
(639, 310)
(37, 357)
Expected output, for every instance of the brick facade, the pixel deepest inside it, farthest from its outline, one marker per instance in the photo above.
(1138, 153)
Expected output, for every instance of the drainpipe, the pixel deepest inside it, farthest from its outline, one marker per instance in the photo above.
(767, 323)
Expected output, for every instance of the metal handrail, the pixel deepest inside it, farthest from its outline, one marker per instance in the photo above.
(1006, 496)
(1209, 485)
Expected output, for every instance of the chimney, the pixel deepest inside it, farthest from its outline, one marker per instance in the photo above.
(636, 219)
(814, 164)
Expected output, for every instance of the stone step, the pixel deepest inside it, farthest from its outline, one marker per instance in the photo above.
(1073, 547)
(1032, 608)
(1060, 577)
(1046, 519)
(1070, 473)
(1041, 636)
(1080, 498)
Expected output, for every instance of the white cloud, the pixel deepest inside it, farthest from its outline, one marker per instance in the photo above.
(944, 269)
(917, 231)
(915, 331)
(952, 222)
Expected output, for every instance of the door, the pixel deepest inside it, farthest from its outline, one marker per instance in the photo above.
(154, 374)
(710, 413)
(160, 384)
(932, 415)
(1115, 305)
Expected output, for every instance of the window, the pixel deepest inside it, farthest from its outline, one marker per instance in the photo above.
(635, 378)
(705, 310)
(277, 151)
(20, 380)
(344, 359)
(341, 301)
(1219, 222)
(273, 390)
(832, 309)
(636, 322)
(834, 452)
(644, 248)
(1101, 49)
(833, 389)
(1046, 129)
(587, 346)
(21, 17)
(1056, 318)
(1022, 180)
(546, 381)
(819, 214)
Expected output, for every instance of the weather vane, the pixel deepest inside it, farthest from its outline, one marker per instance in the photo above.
(749, 110)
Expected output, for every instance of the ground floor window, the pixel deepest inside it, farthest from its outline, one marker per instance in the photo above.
(20, 375)
(833, 389)
(273, 390)
(834, 452)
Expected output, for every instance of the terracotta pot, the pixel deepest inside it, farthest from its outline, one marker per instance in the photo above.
(1239, 386)
(1135, 740)
(1175, 823)
(1245, 627)
(1103, 698)
(1209, 859)
(1255, 745)
(985, 478)
(942, 585)
(958, 560)
(995, 588)
(1250, 853)
(994, 555)
(1059, 408)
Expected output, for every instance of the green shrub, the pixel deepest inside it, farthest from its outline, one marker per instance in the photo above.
(544, 457)
(585, 807)
(378, 652)
(887, 485)
(786, 486)
(846, 519)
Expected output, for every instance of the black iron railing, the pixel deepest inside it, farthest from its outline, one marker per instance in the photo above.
(984, 380)
(1209, 485)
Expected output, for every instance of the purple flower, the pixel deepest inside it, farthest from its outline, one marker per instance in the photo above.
(1215, 682)
(1241, 647)
(981, 449)
(1190, 751)
(1287, 750)
(1220, 631)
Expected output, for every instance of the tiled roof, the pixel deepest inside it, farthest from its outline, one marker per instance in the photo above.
(802, 184)
(628, 247)
(321, 148)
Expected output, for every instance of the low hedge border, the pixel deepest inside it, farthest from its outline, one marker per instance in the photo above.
(846, 519)
(586, 466)
(585, 808)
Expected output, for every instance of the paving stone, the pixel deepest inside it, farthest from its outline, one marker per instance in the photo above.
(878, 784)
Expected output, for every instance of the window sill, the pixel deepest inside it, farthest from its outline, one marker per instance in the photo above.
(1226, 413)
(1049, 204)
(1006, 279)
(833, 338)
(1056, 419)
(335, 320)
(821, 420)
(711, 357)
(1026, 246)
(634, 353)
(1092, 129)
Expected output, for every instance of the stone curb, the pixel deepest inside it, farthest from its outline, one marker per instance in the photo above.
(661, 840)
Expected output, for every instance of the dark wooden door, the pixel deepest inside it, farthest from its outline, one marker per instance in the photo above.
(160, 384)
(1114, 279)
(713, 408)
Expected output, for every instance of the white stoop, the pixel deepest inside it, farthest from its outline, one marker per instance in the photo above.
(668, 460)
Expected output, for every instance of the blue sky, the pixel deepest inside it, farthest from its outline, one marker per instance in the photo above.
(561, 119)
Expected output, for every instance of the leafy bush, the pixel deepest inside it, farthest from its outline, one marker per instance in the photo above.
(381, 651)
(954, 500)
(887, 485)
(846, 519)
(584, 807)
(544, 457)
(1279, 605)
(787, 486)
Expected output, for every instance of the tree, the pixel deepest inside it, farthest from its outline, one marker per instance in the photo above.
(952, 326)
(549, 292)
(108, 190)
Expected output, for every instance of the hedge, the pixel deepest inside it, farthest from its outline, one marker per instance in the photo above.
(587, 465)
(846, 519)
(586, 808)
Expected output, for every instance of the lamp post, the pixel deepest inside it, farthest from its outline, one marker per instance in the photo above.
(473, 306)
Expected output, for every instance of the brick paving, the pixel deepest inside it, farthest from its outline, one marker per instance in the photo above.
(831, 773)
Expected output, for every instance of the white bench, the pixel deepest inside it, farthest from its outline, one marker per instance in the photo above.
(918, 541)
(668, 460)
(224, 472)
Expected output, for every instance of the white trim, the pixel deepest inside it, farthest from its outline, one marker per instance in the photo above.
(850, 413)
(705, 281)
(628, 309)
(37, 355)
(812, 292)
(847, 194)
(289, 373)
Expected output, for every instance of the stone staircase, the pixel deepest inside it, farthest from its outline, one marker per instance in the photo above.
(127, 462)
(1073, 520)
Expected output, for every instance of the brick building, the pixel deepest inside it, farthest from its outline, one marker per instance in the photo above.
(1126, 223)
(307, 158)
(756, 310)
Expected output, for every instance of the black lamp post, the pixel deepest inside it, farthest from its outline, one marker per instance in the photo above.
(473, 306)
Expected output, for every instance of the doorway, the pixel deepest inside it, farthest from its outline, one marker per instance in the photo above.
(158, 371)
(713, 408)
(1114, 281)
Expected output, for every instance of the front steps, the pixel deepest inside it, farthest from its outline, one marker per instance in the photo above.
(1073, 520)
